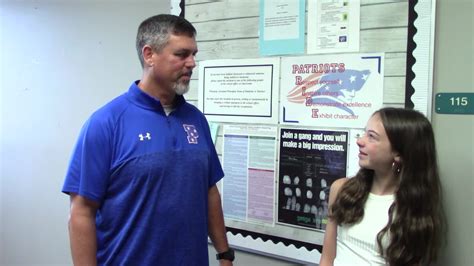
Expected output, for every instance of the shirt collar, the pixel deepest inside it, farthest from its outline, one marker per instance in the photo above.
(142, 99)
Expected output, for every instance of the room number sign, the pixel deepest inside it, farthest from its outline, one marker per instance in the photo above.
(454, 103)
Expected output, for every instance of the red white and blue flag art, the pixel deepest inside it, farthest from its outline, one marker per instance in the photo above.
(331, 90)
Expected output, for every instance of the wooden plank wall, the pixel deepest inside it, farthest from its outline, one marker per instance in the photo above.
(228, 29)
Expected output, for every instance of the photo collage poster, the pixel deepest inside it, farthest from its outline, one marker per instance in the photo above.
(310, 160)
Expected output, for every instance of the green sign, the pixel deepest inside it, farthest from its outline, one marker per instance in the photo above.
(455, 103)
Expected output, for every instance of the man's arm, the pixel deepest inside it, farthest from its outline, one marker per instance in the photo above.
(216, 227)
(82, 232)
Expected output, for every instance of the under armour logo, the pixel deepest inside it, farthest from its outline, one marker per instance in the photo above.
(192, 133)
(143, 137)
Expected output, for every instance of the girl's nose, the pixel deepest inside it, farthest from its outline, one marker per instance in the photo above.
(360, 140)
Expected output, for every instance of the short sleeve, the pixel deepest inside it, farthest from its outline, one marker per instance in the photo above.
(215, 167)
(89, 166)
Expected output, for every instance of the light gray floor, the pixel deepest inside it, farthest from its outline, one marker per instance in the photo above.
(249, 259)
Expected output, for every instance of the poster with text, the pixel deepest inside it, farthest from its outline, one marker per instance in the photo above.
(248, 192)
(340, 90)
(282, 27)
(333, 26)
(239, 90)
(310, 161)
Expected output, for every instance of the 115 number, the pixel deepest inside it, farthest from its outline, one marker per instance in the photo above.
(459, 101)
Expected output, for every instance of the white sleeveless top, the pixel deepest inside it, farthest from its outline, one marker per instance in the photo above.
(357, 244)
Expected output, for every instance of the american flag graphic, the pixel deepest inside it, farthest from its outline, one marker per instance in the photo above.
(329, 89)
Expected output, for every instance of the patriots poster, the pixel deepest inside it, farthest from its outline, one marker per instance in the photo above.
(339, 90)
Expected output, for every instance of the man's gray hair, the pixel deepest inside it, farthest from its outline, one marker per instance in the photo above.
(155, 32)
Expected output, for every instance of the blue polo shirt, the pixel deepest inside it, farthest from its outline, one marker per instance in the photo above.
(150, 173)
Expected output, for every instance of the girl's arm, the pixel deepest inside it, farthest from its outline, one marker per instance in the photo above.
(329, 244)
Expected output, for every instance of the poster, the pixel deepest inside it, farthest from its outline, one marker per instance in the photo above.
(310, 161)
(248, 191)
(282, 27)
(333, 26)
(331, 90)
(240, 90)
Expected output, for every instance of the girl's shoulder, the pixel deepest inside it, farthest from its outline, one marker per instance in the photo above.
(338, 183)
(335, 187)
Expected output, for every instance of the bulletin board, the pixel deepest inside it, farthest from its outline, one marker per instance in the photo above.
(401, 31)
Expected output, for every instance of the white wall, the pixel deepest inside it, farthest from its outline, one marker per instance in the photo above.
(60, 60)
(453, 72)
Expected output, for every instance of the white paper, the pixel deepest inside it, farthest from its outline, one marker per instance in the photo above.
(248, 190)
(333, 26)
(281, 19)
(334, 91)
(239, 90)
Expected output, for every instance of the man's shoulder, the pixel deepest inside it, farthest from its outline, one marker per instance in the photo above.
(114, 106)
(192, 109)
(112, 110)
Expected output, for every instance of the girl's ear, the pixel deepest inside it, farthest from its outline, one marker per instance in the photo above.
(397, 158)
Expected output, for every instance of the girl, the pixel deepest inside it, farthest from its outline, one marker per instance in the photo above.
(390, 212)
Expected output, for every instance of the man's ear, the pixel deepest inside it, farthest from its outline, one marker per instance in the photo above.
(147, 53)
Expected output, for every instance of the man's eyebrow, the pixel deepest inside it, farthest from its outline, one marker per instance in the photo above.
(186, 50)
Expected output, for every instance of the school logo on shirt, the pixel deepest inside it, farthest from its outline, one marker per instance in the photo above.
(192, 133)
(146, 136)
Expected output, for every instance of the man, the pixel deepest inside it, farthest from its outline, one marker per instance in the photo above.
(143, 173)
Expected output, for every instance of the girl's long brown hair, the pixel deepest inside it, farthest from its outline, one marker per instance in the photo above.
(416, 225)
